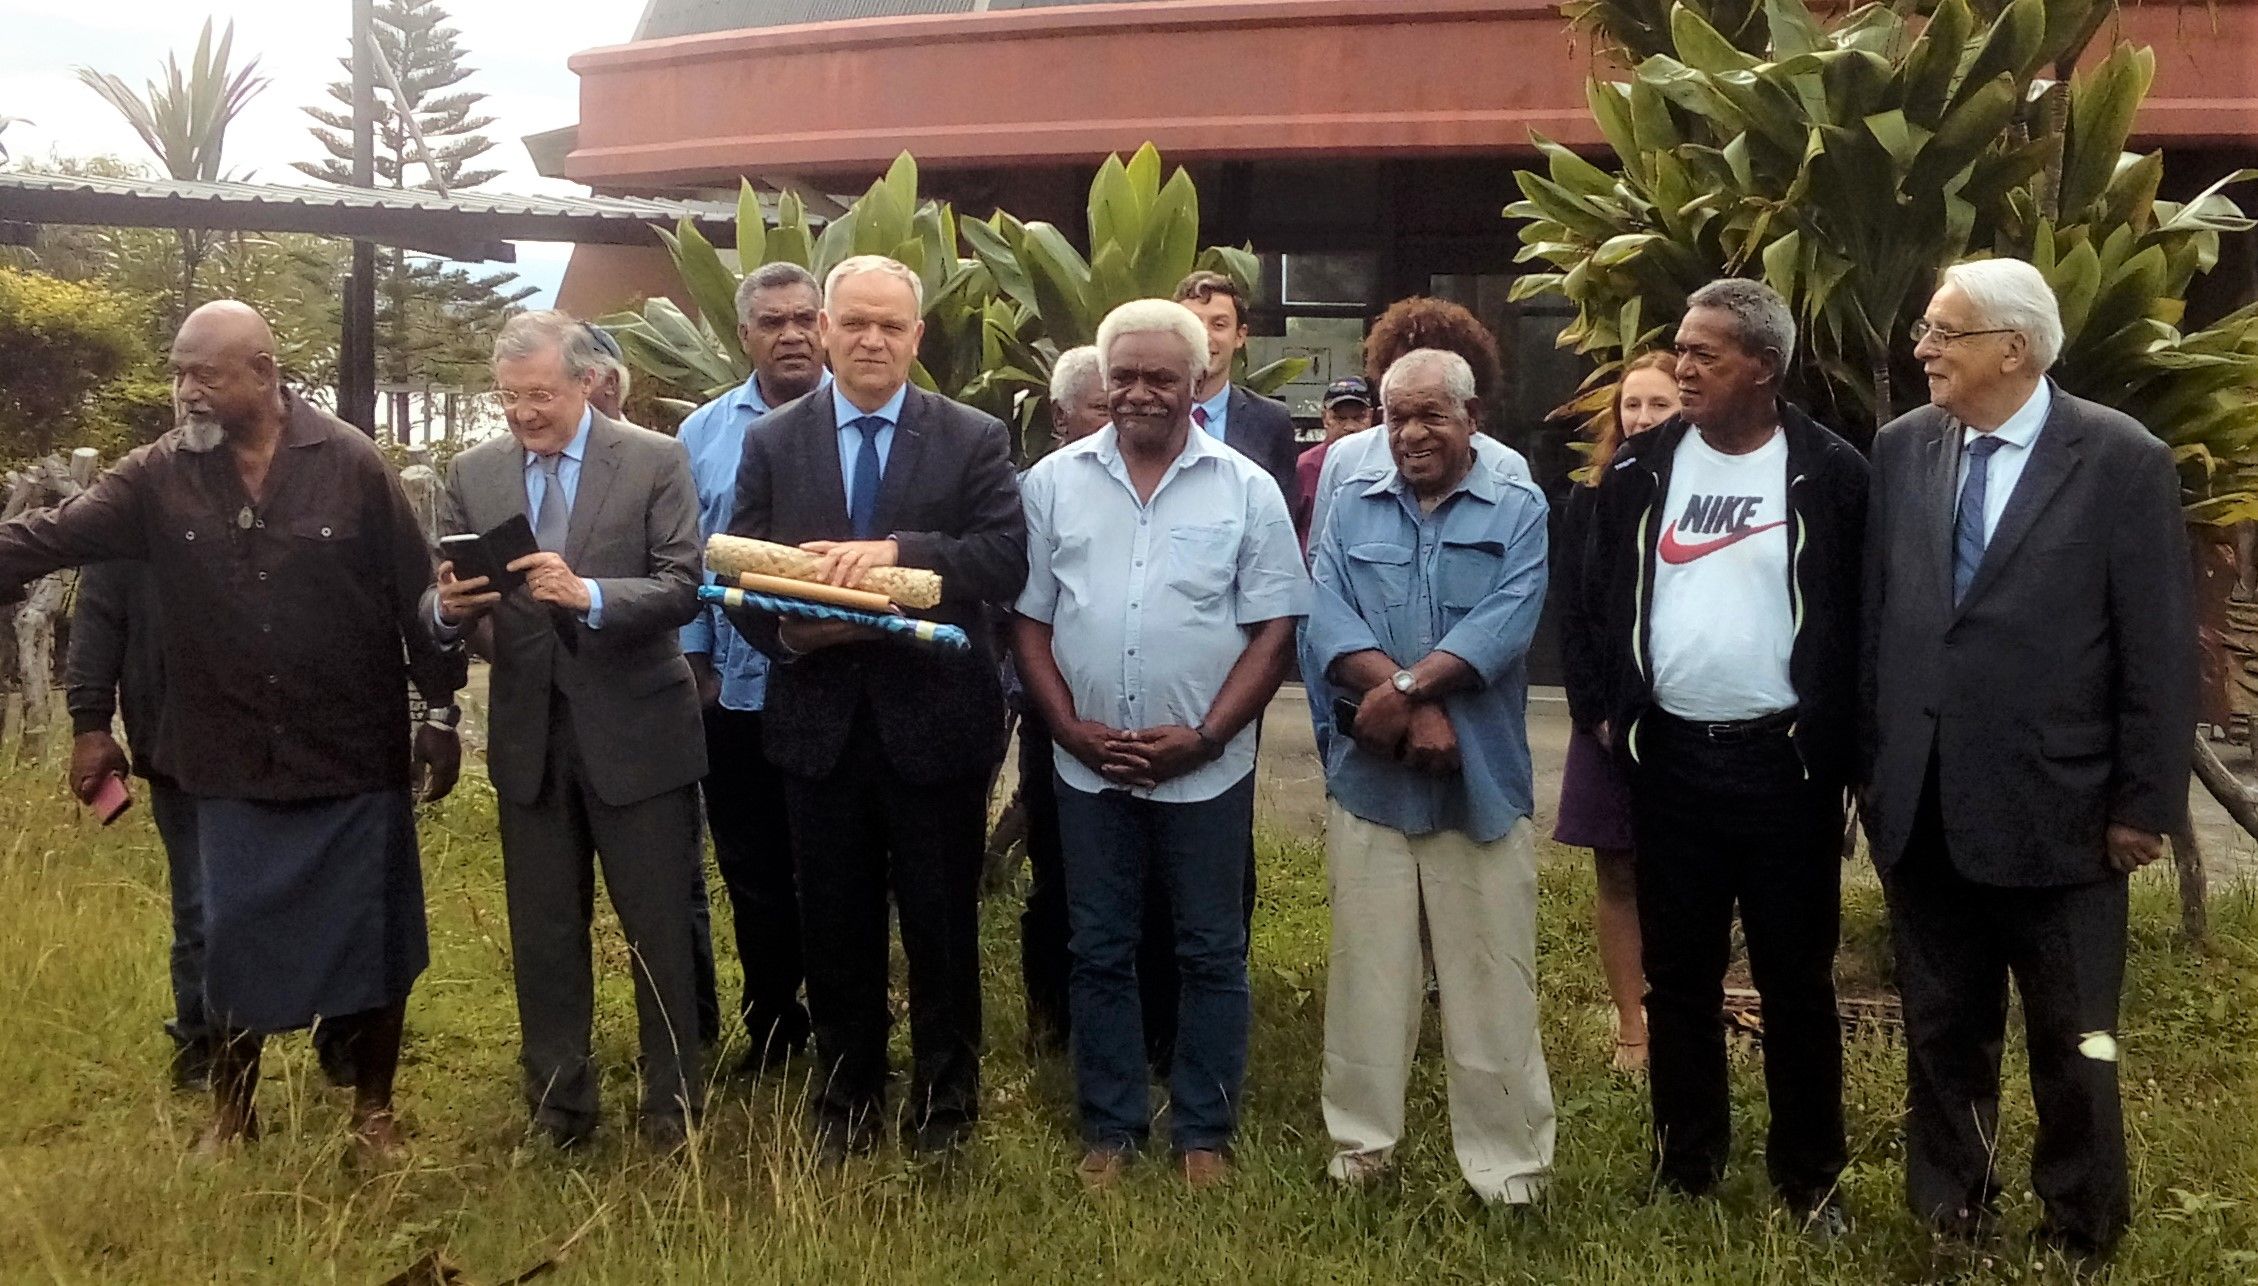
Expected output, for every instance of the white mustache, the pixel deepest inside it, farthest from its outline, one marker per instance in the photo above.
(200, 433)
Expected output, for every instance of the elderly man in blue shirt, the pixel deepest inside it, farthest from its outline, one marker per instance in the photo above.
(1164, 585)
(744, 794)
(1430, 580)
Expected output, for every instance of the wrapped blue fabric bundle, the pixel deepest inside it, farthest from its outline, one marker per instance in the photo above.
(933, 634)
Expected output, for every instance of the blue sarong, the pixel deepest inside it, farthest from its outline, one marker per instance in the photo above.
(312, 909)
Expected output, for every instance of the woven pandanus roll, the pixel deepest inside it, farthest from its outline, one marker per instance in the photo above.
(730, 556)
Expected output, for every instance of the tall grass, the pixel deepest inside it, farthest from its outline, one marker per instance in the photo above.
(95, 1184)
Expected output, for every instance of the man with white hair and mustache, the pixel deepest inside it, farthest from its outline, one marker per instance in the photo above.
(1164, 582)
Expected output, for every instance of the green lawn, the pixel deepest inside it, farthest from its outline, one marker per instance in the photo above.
(94, 1184)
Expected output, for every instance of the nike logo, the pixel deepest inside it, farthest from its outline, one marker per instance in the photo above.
(1673, 550)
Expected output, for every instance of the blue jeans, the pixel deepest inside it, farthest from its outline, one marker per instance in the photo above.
(1199, 850)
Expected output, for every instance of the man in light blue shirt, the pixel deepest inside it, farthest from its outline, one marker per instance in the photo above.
(1430, 580)
(777, 305)
(1163, 588)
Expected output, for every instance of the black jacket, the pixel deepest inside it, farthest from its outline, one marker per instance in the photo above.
(1827, 482)
(2058, 696)
(1262, 429)
(116, 663)
(950, 498)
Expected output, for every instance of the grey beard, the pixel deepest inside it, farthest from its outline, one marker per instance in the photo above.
(200, 433)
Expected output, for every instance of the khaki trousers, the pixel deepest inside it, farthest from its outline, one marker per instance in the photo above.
(1480, 906)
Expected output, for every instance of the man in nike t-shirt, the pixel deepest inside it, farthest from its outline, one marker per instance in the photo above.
(1723, 573)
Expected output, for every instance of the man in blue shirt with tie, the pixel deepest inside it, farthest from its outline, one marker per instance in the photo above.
(777, 306)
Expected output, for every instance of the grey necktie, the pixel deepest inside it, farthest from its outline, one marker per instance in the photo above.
(554, 517)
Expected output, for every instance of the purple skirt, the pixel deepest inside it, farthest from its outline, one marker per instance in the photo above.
(1595, 800)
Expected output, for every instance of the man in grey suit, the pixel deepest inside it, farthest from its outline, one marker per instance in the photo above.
(595, 747)
(2030, 684)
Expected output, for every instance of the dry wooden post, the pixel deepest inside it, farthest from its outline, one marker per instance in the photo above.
(421, 483)
(86, 462)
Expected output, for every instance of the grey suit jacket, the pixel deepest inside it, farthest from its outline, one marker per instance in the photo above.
(634, 532)
(2059, 695)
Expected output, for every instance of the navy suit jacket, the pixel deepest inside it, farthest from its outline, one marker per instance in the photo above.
(950, 498)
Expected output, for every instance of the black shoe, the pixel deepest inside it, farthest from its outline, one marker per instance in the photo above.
(2077, 1247)
(664, 1135)
(937, 1140)
(771, 1055)
(192, 1065)
(836, 1141)
(566, 1136)
(335, 1053)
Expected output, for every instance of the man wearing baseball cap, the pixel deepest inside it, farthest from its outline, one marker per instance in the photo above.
(1348, 409)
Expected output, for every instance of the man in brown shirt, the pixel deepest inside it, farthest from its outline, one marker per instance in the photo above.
(289, 569)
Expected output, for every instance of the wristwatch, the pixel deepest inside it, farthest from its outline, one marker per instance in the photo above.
(446, 716)
(1405, 682)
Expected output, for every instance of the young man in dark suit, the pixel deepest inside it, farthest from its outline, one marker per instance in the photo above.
(886, 749)
(2029, 684)
(1257, 427)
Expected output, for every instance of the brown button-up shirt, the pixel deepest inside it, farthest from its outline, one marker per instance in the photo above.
(291, 623)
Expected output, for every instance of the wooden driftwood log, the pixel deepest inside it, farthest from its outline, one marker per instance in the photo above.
(31, 673)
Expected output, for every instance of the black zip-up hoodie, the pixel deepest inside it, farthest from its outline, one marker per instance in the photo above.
(1827, 481)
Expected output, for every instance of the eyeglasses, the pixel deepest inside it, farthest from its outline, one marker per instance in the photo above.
(539, 399)
(1946, 337)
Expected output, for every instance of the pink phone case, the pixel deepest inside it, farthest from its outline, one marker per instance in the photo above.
(111, 798)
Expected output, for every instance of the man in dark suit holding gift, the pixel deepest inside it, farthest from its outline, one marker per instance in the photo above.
(887, 750)
(2030, 685)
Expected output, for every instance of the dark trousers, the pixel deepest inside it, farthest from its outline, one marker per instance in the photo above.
(1045, 965)
(1720, 823)
(858, 834)
(744, 797)
(649, 851)
(175, 816)
(1115, 845)
(1957, 943)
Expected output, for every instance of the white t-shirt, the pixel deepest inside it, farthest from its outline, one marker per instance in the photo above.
(1723, 621)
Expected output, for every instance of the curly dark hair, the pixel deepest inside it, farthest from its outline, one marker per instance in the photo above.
(1425, 322)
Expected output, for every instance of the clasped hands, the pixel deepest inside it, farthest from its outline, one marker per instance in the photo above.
(1139, 757)
(1416, 733)
(547, 577)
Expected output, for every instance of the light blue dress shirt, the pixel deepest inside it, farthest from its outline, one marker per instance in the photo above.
(568, 477)
(1218, 410)
(1467, 579)
(1149, 603)
(714, 435)
(2016, 435)
(850, 437)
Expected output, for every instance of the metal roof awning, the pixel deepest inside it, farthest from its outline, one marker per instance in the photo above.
(468, 226)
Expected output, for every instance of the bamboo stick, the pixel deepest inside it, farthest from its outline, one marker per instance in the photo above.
(732, 556)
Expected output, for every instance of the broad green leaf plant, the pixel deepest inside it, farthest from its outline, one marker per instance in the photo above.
(994, 320)
(1847, 161)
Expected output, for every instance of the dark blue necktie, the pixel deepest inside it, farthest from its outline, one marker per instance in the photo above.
(862, 504)
(1968, 527)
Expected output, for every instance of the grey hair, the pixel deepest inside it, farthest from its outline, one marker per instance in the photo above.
(1154, 317)
(1075, 370)
(771, 276)
(2013, 295)
(1761, 319)
(536, 332)
(1457, 373)
(882, 265)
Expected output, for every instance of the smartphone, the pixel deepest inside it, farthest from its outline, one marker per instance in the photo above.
(111, 798)
(1344, 716)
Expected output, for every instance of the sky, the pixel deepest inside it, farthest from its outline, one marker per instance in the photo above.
(519, 64)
